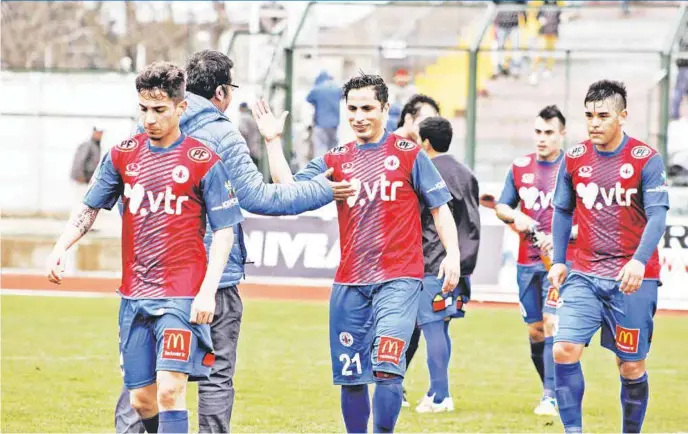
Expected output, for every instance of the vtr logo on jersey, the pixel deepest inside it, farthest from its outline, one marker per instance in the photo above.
(530, 196)
(616, 195)
(388, 190)
(170, 203)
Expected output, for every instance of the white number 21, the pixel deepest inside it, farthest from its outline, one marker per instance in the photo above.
(355, 360)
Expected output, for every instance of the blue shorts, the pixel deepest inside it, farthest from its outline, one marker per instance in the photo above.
(435, 306)
(156, 335)
(627, 321)
(370, 327)
(535, 294)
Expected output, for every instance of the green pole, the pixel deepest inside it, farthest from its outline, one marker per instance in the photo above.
(288, 100)
(471, 108)
(664, 106)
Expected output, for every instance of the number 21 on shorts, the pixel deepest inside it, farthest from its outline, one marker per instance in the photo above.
(349, 363)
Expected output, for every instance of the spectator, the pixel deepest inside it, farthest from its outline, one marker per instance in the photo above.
(549, 20)
(681, 85)
(249, 130)
(506, 26)
(85, 163)
(324, 97)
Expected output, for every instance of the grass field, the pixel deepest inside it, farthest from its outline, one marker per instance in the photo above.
(60, 372)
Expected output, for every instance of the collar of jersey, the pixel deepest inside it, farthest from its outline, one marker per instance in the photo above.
(550, 163)
(167, 149)
(365, 146)
(615, 151)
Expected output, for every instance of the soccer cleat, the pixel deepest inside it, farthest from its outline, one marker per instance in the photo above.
(426, 405)
(404, 401)
(547, 407)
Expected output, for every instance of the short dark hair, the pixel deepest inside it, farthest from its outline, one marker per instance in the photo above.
(606, 89)
(551, 112)
(438, 131)
(206, 70)
(412, 107)
(367, 80)
(163, 76)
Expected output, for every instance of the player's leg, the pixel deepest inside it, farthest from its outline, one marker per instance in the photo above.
(127, 420)
(216, 394)
(351, 321)
(395, 307)
(579, 316)
(138, 353)
(173, 417)
(530, 298)
(550, 297)
(410, 352)
(629, 335)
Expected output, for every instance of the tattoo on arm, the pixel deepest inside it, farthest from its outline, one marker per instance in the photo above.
(83, 220)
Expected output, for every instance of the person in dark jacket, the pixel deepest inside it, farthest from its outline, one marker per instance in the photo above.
(209, 93)
(86, 160)
(325, 98)
(549, 20)
(436, 309)
(506, 27)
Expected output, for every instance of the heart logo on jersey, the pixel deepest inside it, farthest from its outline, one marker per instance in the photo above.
(356, 184)
(528, 195)
(587, 193)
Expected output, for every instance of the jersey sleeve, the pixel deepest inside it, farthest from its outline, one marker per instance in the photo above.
(106, 185)
(314, 168)
(428, 183)
(564, 197)
(654, 183)
(221, 203)
(509, 194)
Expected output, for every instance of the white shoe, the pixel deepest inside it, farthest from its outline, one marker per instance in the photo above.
(404, 402)
(425, 404)
(547, 407)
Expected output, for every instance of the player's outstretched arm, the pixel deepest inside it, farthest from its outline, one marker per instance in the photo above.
(271, 129)
(79, 223)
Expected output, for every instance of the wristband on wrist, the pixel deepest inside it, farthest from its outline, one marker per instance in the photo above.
(273, 137)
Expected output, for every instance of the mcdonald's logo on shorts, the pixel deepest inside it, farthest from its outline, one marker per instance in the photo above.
(552, 297)
(390, 349)
(176, 344)
(627, 339)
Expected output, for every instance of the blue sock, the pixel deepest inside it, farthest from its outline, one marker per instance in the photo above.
(536, 350)
(569, 388)
(447, 338)
(386, 405)
(548, 361)
(438, 359)
(151, 424)
(634, 396)
(176, 421)
(355, 408)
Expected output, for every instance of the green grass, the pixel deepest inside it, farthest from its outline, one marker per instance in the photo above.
(60, 372)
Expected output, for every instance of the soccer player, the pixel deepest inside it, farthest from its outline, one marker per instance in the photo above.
(170, 185)
(436, 309)
(209, 89)
(617, 187)
(374, 300)
(529, 186)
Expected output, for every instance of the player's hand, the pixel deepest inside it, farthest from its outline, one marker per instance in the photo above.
(631, 276)
(203, 308)
(269, 126)
(545, 243)
(557, 275)
(341, 189)
(55, 267)
(523, 223)
(450, 269)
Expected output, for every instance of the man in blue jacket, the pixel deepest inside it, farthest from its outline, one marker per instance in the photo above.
(209, 93)
(325, 98)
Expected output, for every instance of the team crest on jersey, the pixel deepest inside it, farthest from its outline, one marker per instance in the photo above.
(339, 150)
(641, 152)
(132, 169)
(348, 167)
(180, 174)
(346, 339)
(128, 145)
(230, 189)
(391, 162)
(199, 154)
(585, 171)
(528, 178)
(626, 171)
(405, 145)
(577, 151)
(522, 161)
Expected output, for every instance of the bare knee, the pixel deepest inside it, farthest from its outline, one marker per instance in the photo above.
(567, 352)
(631, 370)
(548, 324)
(172, 390)
(144, 401)
(536, 333)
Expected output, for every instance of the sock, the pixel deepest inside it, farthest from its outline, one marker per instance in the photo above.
(536, 350)
(438, 359)
(173, 421)
(386, 405)
(634, 396)
(412, 346)
(151, 424)
(569, 387)
(548, 361)
(447, 338)
(355, 408)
